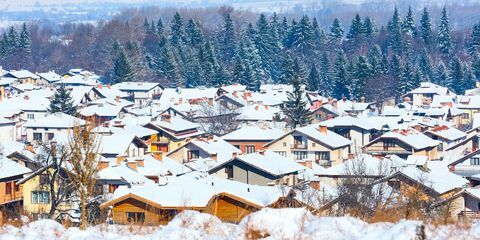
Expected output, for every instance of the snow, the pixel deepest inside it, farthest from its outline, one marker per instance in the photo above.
(287, 223)
(56, 120)
(254, 133)
(328, 138)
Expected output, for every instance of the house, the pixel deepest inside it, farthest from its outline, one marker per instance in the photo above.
(359, 130)
(101, 113)
(8, 130)
(48, 78)
(152, 204)
(172, 133)
(250, 139)
(312, 142)
(466, 165)
(446, 135)
(11, 193)
(403, 143)
(22, 76)
(45, 129)
(140, 92)
(122, 144)
(211, 148)
(423, 95)
(264, 168)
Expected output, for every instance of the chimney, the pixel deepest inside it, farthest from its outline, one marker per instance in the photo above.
(266, 107)
(351, 156)
(210, 137)
(213, 156)
(158, 155)
(323, 129)
(99, 86)
(120, 159)
(117, 98)
(235, 94)
(132, 165)
(335, 104)
(245, 95)
(234, 154)
(329, 100)
(26, 97)
(140, 162)
(362, 99)
(256, 107)
(449, 104)
(102, 165)
(344, 99)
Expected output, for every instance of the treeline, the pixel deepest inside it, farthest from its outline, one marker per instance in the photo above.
(362, 60)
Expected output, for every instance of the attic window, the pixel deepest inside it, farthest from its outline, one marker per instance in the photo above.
(475, 161)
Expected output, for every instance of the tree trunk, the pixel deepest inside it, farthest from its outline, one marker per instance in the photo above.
(83, 214)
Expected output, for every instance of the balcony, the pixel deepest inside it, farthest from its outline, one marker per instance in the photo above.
(161, 140)
(325, 163)
(298, 146)
(469, 215)
(12, 197)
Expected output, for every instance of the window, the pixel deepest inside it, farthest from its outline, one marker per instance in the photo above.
(298, 155)
(229, 171)
(297, 140)
(30, 116)
(440, 147)
(40, 197)
(135, 217)
(388, 143)
(193, 154)
(284, 144)
(281, 153)
(313, 144)
(50, 136)
(322, 155)
(249, 148)
(8, 188)
(465, 116)
(475, 161)
(37, 137)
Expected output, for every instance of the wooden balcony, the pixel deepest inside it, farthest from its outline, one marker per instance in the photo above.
(298, 146)
(469, 215)
(14, 195)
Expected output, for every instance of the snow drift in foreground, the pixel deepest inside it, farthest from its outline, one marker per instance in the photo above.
(268, 223)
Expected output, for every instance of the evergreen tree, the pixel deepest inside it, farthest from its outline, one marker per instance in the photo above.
(193, 34)
(13, 40)
(287, 73)
(469, 79)
(24, 40)
(336, 33)
(237, 74)
(303, 36)
(122, 70)
(341, 78)
(475, 39)
(319, 36)
(425, 65)
(408, 79)
(476, 66)
(444, 38)
(370, 28)
(177, 36)
(266, 45)
(375, 60)
(164, 64)
(395, 33)
(160, 27)
(227, 39)
(326, 76)
(408, 26)
(313, 79)
(362, 73)
(396, 70)
(455, 75)
(62, 102)
(295, 108)
(356, 28)
(440, 76)
(426, 27)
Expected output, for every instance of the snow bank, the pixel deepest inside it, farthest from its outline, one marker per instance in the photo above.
(267, 223)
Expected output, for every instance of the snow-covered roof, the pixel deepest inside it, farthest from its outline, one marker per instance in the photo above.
(254, 133)
(448, 133)
(411, 137)
(346, 121)
(117, 143)
(103, 110)
(258, 112)
(216, 145)
(136, 86)
(234, 88)
(270, 162)
(176, 124)
(50, 76)
(55, 120)
(428, 87)
(9, 168)
(155, 167)
(22, 74)
(329, 138)
(373, 166)
(122, 173)
(78, 80)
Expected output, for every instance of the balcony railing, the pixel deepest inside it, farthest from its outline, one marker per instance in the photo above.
(325, 163)
(13, 196)
(469, 214)
(298, 146)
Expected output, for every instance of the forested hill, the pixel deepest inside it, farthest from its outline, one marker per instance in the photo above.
(214, 46)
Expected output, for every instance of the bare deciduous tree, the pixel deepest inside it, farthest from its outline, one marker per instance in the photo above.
(82, 160)
(216, 119)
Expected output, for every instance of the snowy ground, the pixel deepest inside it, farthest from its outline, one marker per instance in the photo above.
(270, 223)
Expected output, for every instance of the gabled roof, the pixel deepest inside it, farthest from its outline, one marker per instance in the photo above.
(176, 124)
(21, 74)
(55, 120)
(445, 132)
(374, 167)
(428, 87)
(136, 86)
(103, 110)
(50, 76)
(348, 121)
(9, 168)
(212, 146)
(118, 143)
(268, 161)
(253, 133)
(412, 138)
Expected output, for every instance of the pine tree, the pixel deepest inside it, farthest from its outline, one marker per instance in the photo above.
(455, 75)
(193, 34)
(476, 65)
(13, 40)
(370, 28)
(408, 79)
(164, 64)
(326, 76)
(122, 70)
(177, 36)
(303, 37)
(396, 70)
(313, 79)
(425, 65)
(24, 40)
(444, 38)
(336, 33)
(356, 28)
(362, 73)
(286, 74)
(266, 45)
(375, 60)
(341, 78)
(295, 108)
(475, 39)
(469, 79)
(408, 26)
(395, 33)
(62, 102)
(227, 39)
(440, 76)
(160, 27)
(319, 36)
(237, 74)
(426, 27)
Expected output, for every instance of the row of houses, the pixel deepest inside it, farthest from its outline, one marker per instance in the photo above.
(158, 155)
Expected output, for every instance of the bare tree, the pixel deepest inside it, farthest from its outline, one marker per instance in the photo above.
(216, 119)
(52, 158)
(82, 160)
